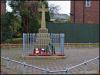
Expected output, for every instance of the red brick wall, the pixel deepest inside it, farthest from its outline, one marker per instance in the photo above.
(72, 11)
(92, 13)
(78, 11)
(3, 7)
(82, 14)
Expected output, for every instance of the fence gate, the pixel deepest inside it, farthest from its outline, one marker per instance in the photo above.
(56, 43)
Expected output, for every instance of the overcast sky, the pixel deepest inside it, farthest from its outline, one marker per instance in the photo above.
(64, 6)
(8, 8)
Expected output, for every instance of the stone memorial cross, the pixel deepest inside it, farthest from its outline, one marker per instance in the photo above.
(43, 10)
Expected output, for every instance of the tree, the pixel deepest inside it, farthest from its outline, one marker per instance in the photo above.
(23, 11)
(15, 28)
(30, 21)
(54, 9)
(6, 24)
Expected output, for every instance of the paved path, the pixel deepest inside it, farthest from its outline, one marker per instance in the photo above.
(74, 57)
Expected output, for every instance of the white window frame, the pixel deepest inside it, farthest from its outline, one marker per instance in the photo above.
(88, 3)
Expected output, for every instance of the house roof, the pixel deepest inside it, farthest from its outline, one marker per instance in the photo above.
(59, 16)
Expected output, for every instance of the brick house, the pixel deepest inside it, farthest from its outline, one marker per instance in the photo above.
(85, 11)
(3, 7)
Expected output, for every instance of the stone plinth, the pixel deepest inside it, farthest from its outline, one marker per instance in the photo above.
(43, 30)
(42, 40)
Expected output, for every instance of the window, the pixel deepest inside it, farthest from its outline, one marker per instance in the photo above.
(87, 3)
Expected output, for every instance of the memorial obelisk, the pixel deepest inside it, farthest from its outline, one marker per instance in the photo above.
(43, 38)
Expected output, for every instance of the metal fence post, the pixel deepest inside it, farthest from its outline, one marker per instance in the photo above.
(8, 63)
(30, 43)
(47, 71)
(66, 72)
(85, 66)
(66, 69)
(24, 38)
(24, 68)
(62, 43)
